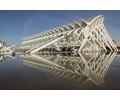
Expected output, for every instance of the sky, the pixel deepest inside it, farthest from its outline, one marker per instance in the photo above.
(16, 24)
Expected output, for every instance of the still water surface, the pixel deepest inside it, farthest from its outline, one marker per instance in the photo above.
(88, 71)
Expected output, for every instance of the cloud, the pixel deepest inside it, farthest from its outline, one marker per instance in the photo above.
(27, 24)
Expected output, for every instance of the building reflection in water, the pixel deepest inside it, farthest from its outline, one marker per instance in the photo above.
(84, 67)
(4, 57)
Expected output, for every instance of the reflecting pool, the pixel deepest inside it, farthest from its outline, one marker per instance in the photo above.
(84, 71)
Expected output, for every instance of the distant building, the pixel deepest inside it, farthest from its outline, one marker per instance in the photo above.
(85, 35)
(1, 44)
(5, 48)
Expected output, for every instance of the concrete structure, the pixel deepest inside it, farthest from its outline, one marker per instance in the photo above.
(86, 35)
(5, 48)
(87, 67)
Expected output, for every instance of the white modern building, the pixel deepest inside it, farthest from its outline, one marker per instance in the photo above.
(85, 35)
(5, 48)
